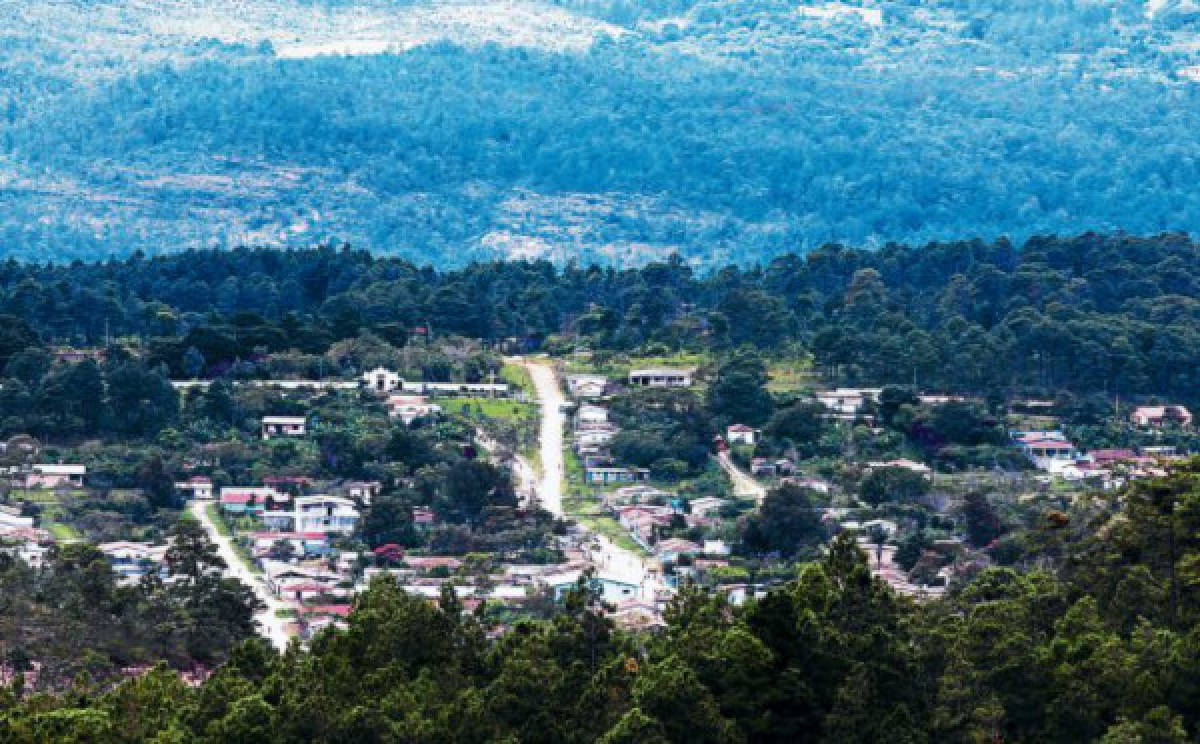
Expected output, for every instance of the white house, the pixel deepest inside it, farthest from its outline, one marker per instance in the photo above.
(741, 434)
(716, 547)
(661, 377)
(1049, 450)
(279, 574)
(611, 589)
(587, 386)
(916, 467)
(606, 475)
(705, 506)
(303, 545)
(32, 554)
(594, 437)
(363, 491)
(283, 426)
(1156, 417)
(133, 560)
(846, 403)
(589, 414)
(56, 476)
(382, 380)
(813, 484)
(199, 487)
(409, 408)
(10, 518)
(325, 514)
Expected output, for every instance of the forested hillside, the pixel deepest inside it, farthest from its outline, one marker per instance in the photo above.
(1091, 315)
(445, 130)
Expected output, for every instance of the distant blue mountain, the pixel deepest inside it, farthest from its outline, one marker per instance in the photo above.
(613, 131)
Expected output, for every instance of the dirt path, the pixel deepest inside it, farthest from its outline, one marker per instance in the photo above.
(271, 625)
(744, 486)
(550, 437)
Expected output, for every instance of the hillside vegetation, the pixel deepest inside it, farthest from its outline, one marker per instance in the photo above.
(1092, 315)
(611, 131)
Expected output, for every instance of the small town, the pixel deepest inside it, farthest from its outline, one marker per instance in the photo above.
(606, 479)
(820, 501)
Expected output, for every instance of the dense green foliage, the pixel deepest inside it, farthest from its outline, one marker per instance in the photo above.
(1087, 314)
(1103, 646)
(70, 620)
(122, 397)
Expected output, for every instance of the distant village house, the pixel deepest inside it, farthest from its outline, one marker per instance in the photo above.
(55, 476)
(741, 434)
(661, 377)
(1156, 417)
(283, 426)
(602, 476)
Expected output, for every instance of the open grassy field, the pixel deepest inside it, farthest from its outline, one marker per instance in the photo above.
(493, 408)
(618, 366)
(790, 375)
(517, 376)
(42, 495)
(62, 532)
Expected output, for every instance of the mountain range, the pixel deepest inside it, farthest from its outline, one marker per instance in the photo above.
(594, 130)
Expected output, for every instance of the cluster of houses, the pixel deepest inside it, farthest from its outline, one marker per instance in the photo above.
(283, 508)
(1048, 450)
(644, 511)
(130, 560)
(321, 590)
(406, 400)
(592, 432)
(851, 404)
(1053, 453)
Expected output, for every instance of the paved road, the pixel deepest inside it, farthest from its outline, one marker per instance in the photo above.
(272, 626)
(744, 486)
(609, 558)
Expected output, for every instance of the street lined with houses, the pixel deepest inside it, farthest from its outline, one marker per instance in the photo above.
(273, 625)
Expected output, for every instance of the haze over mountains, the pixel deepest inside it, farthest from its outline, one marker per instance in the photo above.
(619, 131)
